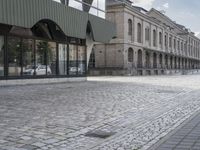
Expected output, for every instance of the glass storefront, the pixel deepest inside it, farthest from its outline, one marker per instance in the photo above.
(32, 58)
(73, 69)
(1, 55)
(51, 58)
(40, 62)
(81, 60)
(62, 50)
(28, 57)
(14, 56)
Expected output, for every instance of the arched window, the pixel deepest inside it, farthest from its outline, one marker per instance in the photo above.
(165, 40)
(130, 27)
(181, 46)
(147, 33)
(174, 43)
(160, 38)
(178, 45)
(130, 55)
(139, 33)
(170, 42)
(154, 38)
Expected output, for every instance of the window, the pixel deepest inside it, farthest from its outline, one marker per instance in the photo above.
(130, 55)
(139, 33)
(181, 46)
(130, 27)
(98, 9)
(170, 42)
(28, 57)
(1, 56)
(147, 33)
(174, 43)
(45, 58)
(81, 60)
(165, 40)
(154, 38)
(73, 70)
(51, 58)
(160, 38)
(178, 45)
(14, 56)
(62, 50)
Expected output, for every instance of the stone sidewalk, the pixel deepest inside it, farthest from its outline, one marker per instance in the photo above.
(187, 137)
(105, 113)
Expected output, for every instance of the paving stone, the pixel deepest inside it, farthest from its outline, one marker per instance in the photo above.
(139, 110)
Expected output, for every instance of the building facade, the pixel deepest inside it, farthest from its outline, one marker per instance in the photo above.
(147, 43)
(49, 39)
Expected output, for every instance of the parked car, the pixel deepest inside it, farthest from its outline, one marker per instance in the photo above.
(73, 70)
(39, 70)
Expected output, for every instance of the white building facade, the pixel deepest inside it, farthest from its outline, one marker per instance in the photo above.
(147, 43)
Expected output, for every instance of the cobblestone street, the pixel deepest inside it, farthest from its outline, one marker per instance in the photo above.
(105, 113)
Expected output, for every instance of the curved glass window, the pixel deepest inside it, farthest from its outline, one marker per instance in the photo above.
(81, 60)
(62, 50)
(51, 58)
(28, 57)
(73, 69)
(14, 56)
(1, 56)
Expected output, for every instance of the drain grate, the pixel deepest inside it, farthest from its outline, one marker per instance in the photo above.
(166, 91)
(99, 134)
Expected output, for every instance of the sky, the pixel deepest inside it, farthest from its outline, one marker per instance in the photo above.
(185, 12)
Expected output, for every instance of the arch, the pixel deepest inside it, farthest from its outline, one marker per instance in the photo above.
(48, 29)
(139, 59)
(154, 60)
(130, 27)
(139, 33)
(130, 55)
(154, 38)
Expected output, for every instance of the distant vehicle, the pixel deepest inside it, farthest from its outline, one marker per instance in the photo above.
(73, 70)
(39, 70)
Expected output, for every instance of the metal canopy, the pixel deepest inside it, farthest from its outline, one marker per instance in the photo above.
(26, 13)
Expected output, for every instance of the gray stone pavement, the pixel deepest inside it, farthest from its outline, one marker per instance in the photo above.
(186, 137)
(103, 113)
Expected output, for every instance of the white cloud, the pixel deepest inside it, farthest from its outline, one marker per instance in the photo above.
(166, 5)
(147, 4)
(197, 34)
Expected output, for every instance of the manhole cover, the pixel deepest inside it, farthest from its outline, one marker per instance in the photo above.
(99, 134)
